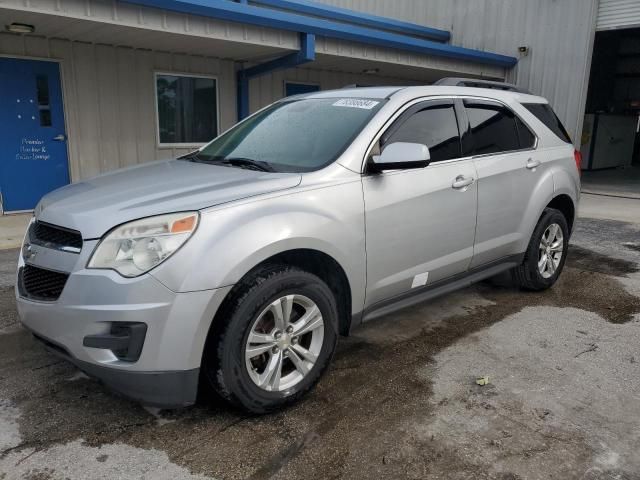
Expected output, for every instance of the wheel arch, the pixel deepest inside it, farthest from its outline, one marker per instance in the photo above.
(565, 205)
(317, 262)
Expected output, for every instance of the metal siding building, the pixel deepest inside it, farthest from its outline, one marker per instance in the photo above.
(109, 52)
(559, 35)
(614, 14)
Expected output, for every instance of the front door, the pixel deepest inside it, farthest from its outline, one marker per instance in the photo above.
(420, 223)
(33, 149)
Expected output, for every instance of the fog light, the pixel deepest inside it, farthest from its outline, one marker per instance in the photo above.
(125, 340)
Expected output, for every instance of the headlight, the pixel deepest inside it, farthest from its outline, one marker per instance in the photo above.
(136, 247)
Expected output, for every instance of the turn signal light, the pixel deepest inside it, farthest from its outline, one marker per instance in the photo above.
(185, 224)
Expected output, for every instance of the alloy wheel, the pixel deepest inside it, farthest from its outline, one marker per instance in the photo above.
(284, 343)
(550, 251)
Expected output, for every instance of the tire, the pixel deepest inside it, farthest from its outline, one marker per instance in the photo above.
(529, 275)
(254, 310)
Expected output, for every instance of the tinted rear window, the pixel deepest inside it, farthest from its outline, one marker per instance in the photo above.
(546, 115)
(493, 127)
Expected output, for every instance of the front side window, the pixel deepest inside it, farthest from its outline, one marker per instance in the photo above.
(292, 136)
(436, 127)
(493, 128)
(187, 109)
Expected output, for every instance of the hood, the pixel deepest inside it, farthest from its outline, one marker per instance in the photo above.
(95, 206)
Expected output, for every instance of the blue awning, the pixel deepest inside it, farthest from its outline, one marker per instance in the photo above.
(295, 22)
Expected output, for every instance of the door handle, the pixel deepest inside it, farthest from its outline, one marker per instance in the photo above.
(533, 164)
(60, 138)
(462, 182)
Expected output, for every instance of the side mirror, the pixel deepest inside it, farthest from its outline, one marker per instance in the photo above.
(402, 155)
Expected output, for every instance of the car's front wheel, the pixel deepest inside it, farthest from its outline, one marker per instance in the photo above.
(278, 338)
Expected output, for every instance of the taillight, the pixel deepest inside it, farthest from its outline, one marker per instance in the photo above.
(578, 158)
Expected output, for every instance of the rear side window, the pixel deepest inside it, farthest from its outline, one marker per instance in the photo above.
(436, 127)
(493, 128)
(527, 138)
(546, 115)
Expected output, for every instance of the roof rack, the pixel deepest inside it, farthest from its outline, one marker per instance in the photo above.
(479, 83)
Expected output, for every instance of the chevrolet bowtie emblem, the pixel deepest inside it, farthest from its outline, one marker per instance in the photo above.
(28, 252)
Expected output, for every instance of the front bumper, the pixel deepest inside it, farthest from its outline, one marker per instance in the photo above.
(166, 372)
(170, 389)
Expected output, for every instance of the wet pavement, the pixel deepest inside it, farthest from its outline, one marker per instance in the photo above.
(399, 402)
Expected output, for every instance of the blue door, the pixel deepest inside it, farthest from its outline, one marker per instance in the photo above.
(33, 147)
(291, 88)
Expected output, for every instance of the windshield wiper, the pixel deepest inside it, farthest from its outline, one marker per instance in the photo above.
(192, 157)
(248, 163)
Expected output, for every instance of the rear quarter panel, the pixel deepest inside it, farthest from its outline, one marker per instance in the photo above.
(559, 163)
(561, 174)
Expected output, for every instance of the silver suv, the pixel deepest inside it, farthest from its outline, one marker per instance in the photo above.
(238, 266)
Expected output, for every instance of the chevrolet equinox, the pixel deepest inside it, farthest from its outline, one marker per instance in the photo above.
(237, 266)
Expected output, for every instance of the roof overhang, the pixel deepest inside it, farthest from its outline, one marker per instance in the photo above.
(307, 7)
(283, 20)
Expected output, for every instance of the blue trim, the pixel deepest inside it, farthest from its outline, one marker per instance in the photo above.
(236, 12)
(307, 53)
(329, 12)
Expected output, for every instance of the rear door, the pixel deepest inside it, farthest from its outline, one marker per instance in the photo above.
(509, 168)
(420, 223)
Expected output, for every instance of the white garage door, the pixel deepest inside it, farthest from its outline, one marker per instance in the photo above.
(618, 14)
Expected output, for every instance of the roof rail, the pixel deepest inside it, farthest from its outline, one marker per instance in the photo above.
(479, 83)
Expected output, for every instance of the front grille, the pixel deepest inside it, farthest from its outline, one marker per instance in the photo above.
(40, 283)
(52, 236)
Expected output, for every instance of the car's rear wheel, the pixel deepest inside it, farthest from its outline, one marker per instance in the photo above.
(546, 253)
(279, 337)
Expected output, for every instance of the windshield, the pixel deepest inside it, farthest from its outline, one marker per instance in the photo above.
(292, 136)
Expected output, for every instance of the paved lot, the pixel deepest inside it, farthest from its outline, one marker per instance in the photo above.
(400, 402)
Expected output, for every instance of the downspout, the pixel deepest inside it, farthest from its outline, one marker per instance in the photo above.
(307, 53)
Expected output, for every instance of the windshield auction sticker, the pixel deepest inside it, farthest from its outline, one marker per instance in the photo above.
(356, 103)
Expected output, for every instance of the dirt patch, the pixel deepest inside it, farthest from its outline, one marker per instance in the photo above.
(632, 246)
(591, 261)
(354, 425)
(578, 288)
(8, 317)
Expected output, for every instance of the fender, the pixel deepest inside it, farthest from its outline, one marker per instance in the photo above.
(230, 241)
